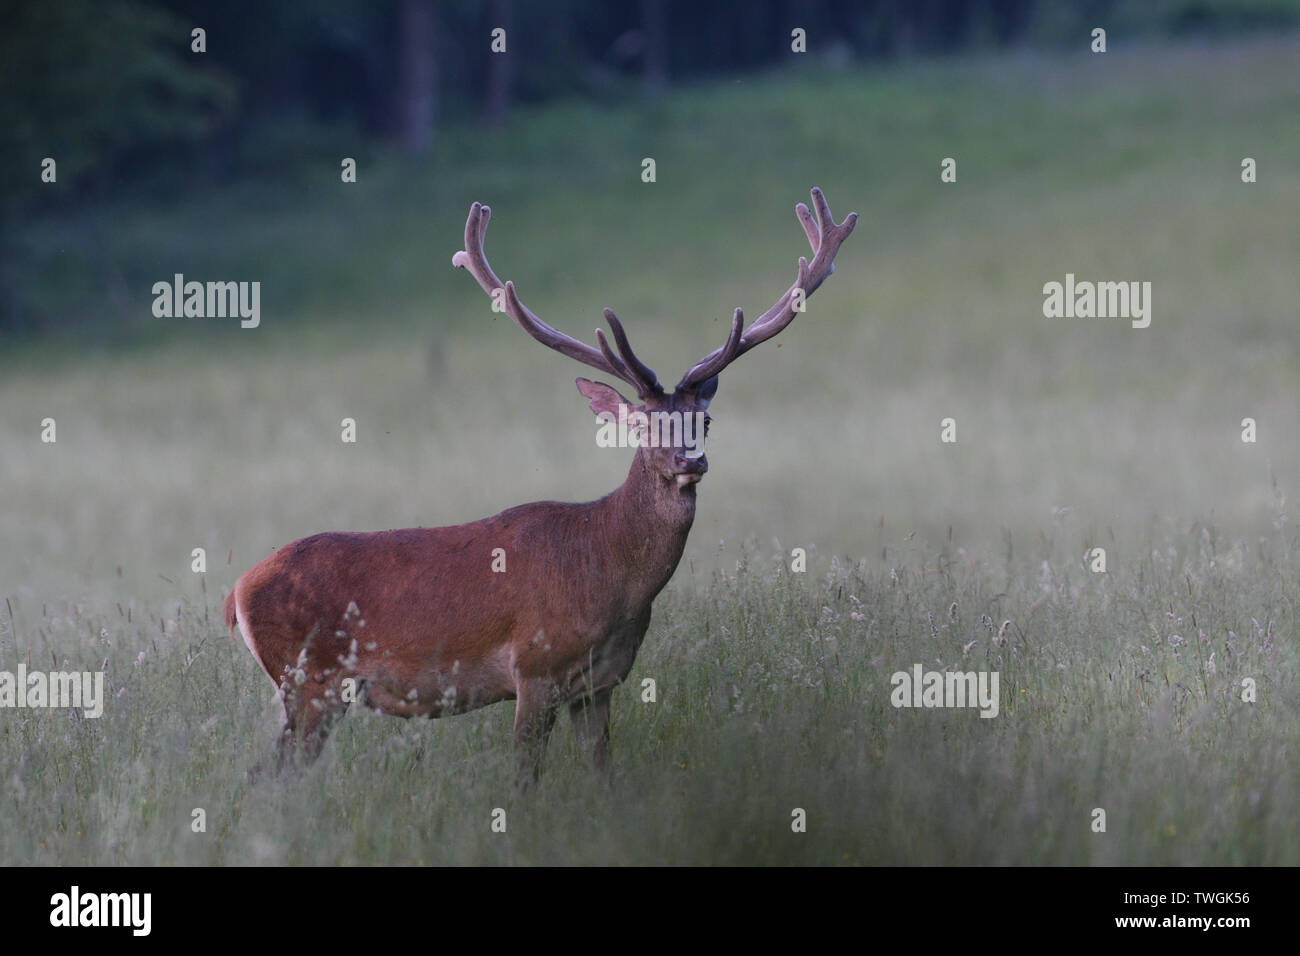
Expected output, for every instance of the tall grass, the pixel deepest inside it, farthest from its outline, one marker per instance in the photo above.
(1119, 692)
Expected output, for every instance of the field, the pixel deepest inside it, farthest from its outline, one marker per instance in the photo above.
(1119, 690)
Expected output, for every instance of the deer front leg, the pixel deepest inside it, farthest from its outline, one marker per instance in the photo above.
(534, 719)
(590, 717)
(310, 711)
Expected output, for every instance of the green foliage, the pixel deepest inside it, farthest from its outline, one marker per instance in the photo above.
(98, 82)
(88, 82)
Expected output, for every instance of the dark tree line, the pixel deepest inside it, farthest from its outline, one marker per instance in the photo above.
(104, 82)
(119, 94)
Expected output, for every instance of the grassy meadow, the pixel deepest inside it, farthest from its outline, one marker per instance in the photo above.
(1119, 690)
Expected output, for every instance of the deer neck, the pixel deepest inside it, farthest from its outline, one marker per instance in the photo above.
(648, 519)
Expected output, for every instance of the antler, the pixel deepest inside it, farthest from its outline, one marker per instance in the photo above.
(825, 236)
(628, 368)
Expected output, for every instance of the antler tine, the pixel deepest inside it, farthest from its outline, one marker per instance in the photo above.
(473, 260)
(718, 359)
(610, 357)
(809, 226)
(824, 236)
(639, 368)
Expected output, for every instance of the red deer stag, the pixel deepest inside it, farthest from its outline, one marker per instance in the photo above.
(418, 619)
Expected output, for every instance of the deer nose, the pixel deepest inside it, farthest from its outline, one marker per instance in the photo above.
(690, 464)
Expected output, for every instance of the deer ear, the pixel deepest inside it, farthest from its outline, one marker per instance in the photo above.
(707, 389)
(700, 395)
(602, 398)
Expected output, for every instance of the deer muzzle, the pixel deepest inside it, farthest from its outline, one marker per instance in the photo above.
(689, 467)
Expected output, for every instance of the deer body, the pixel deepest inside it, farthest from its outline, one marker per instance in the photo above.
(545, 603)
(420, 621)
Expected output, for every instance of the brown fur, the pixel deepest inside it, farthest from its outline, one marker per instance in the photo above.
(436, 631)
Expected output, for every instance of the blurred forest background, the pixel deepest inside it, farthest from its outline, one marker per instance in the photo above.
(112, 89)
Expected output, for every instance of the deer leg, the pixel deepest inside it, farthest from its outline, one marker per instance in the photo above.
(534, 719)
(309, 714)
(590, 716)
